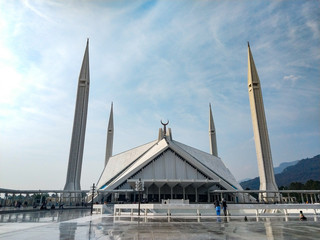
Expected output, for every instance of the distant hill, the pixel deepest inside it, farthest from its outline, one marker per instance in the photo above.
(284, 165)
(302, 171)
(243, 180)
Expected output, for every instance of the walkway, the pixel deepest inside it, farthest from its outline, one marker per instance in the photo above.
(58, 225)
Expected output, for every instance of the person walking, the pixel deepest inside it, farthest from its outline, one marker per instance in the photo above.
(217, 206)
(224, 206)
(105, 207)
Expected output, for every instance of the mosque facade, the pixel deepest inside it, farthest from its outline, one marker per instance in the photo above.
(169, 170)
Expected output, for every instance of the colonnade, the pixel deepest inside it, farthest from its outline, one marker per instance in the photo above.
(155, 193)
(152, 193)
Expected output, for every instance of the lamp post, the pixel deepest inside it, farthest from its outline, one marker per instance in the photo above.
(92, 196)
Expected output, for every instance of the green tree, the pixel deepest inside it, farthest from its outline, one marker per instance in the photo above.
(312, 185)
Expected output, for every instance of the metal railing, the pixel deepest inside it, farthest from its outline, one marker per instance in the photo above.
(46, 198)
(283, 196)
(36, 198)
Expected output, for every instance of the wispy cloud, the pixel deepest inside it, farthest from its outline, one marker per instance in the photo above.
(291, 78)
(36, 11)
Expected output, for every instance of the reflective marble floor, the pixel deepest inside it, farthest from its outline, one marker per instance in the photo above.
(78, 224)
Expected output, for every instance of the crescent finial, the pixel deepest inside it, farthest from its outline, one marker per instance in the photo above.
(164, 124)
(164, 127)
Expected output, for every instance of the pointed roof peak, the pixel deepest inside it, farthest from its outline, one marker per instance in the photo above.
(87, 45)
(210, 109)
(252, 71)
(248, 44)
(84, 72)
(110, 133)
(111, 112)
(212, 134)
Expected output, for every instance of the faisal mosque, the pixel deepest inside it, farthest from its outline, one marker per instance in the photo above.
(169, 169)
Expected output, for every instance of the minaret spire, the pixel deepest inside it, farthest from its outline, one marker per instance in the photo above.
(260, 130)
(110, 132)
(212, 135)
(79, 126)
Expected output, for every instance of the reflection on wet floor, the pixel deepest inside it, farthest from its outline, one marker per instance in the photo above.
(44, 216)
(207, 228)
(79, 225)
(210, 228)
(67, 230)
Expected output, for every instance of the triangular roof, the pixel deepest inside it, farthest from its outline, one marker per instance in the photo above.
(122, 166)
(211, 162)
(121, 161)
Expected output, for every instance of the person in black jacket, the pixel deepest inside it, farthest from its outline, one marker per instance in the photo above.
(224, 206)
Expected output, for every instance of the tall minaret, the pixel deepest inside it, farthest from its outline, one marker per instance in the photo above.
(79, 126)
(212, 135)
(109, 144)
(260, 130)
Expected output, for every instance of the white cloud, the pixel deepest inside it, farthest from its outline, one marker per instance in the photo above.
(11, 84)
(36, 11)
(291, 78)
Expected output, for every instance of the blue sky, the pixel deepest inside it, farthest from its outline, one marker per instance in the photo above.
(155, 60)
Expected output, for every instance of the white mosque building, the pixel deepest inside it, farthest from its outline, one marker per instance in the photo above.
(169, 169)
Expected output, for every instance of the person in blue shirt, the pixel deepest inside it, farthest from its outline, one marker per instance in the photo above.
(217, 205)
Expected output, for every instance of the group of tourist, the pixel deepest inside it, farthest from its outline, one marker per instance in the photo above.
(224, 206)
